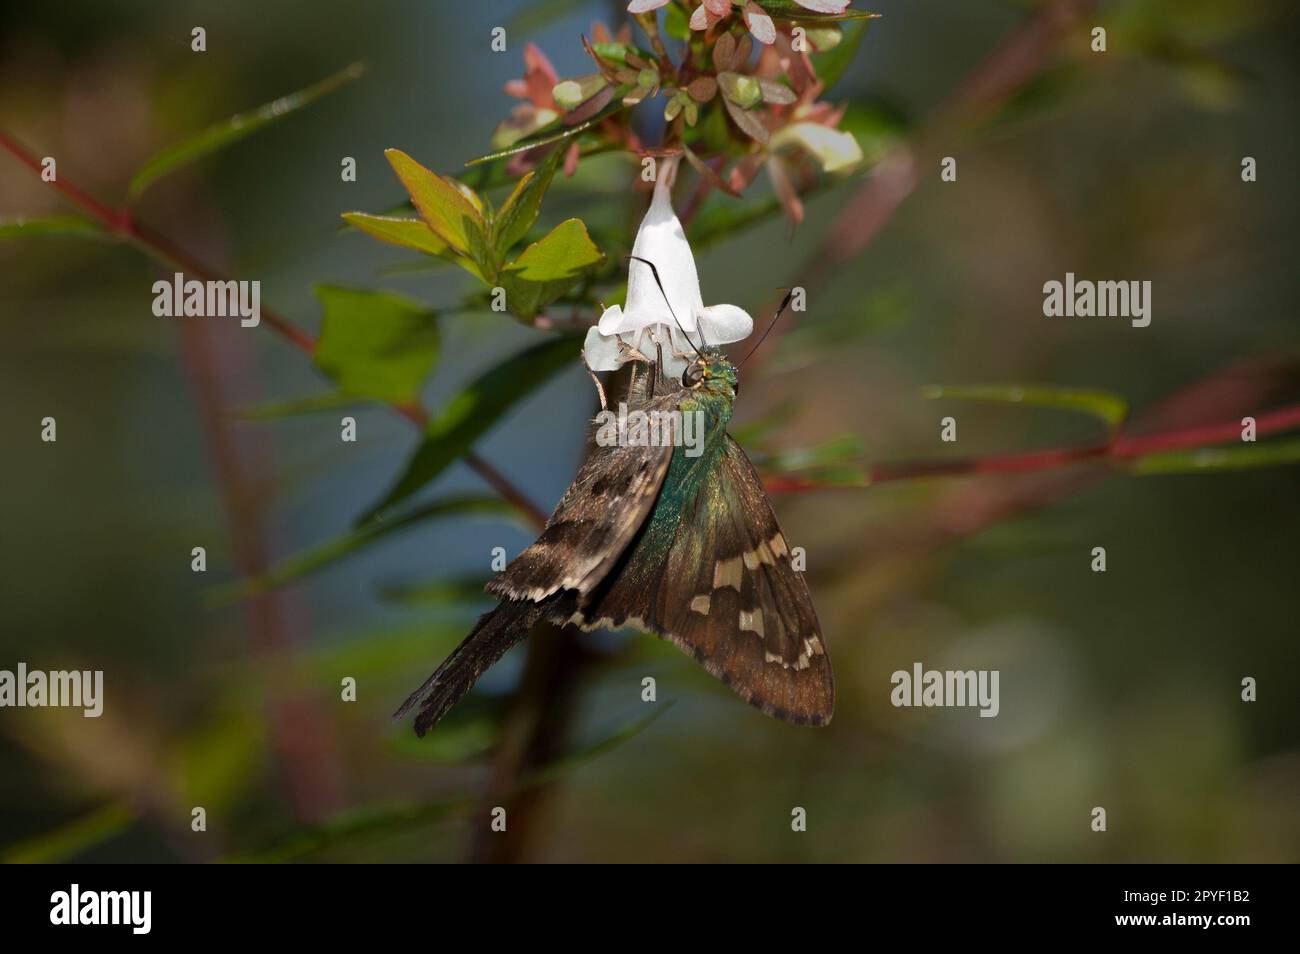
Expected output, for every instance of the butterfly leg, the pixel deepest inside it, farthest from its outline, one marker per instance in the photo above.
(600, 388)
(659, 366)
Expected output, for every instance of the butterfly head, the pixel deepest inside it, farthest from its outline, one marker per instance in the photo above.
(713, 373)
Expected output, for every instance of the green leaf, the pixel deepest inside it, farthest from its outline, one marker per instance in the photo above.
(1247, 456)
(832, 64)
(70, 840)
(789, 10)
(375, 344)
(617, 53)
(455, 219)
(348, 544)
(744, 91)
(465, 735)
(1109, 408)
(537, 15)
(829, 464)
(548, 268)
(274, 410)
(519, 211)
(414, 234)
(235, 128)
(832, 453)
(676, 23)
(406, 233)
(570, 94)
(51, 225)
(556, 131)
(473, 411)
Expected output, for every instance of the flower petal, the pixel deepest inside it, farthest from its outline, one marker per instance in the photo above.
(662, 240)
(824, 6)
(602, 352)
(724, 324)
(759, 23)
(645, 6)
(614, 322)
(835, 149)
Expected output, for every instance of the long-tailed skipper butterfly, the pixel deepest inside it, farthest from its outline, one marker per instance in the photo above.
(685, 547)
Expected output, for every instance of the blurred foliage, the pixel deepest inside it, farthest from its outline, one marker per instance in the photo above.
(197, 726)
(367, 533)
(230, 131)
(1110, 409)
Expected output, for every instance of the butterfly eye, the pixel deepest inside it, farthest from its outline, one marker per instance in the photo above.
(692, 376)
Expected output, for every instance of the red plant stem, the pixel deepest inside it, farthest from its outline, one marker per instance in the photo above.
(314, 785)
(294, 718)
(1122, 448)
(120, 222)
(1283, 419)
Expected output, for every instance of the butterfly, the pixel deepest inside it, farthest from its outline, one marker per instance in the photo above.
(685, 547)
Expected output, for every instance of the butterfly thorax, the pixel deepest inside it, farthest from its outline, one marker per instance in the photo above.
(709, 390)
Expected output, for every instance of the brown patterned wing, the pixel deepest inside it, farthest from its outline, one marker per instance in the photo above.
(594, 521)
(726, 592)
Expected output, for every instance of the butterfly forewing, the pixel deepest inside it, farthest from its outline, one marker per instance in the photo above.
(593, 523)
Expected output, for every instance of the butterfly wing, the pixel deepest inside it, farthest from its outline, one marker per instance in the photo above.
(727, 593)
(594, 521)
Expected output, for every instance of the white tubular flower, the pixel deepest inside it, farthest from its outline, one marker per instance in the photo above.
(675, 317)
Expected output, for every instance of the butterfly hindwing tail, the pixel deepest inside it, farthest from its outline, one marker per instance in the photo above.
(494, 634)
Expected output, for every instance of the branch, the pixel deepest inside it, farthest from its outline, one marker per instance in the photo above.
(1119, 449)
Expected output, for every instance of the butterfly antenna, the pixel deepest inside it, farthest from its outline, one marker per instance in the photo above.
(779, 312)
(655, 272)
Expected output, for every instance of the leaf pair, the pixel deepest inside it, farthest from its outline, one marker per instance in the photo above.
(458, 224)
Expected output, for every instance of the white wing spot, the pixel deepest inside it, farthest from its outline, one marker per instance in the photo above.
(727, 573)
(701, 605)
(752, 622)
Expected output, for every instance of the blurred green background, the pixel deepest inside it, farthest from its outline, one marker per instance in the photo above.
(1119, 689)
